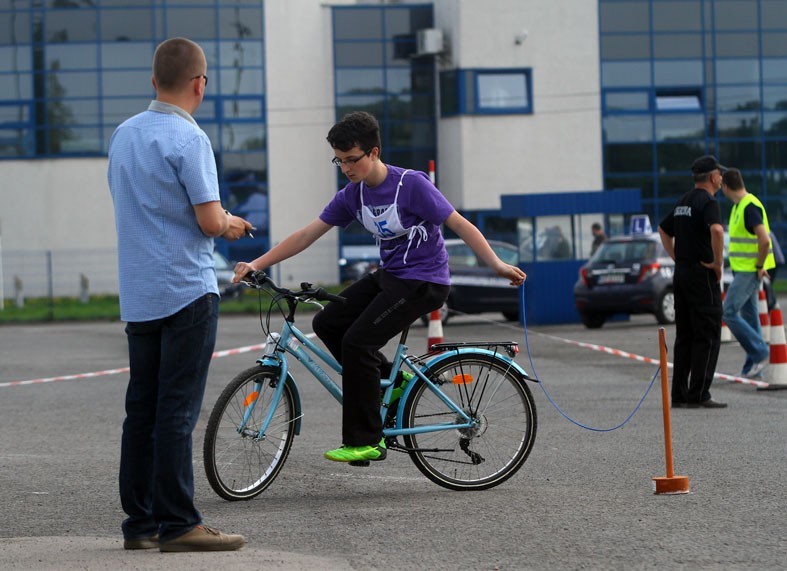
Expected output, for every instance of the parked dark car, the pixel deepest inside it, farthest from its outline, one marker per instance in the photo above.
(626, 275)
(224, 273)
(475, 287)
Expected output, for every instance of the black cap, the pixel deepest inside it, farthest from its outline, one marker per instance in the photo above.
(706, 164)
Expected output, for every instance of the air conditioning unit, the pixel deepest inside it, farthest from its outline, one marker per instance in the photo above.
(429, 42)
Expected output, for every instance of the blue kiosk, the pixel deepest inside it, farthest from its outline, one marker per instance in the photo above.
(554, 237)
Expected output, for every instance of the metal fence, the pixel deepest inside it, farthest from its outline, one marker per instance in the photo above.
(58, 273)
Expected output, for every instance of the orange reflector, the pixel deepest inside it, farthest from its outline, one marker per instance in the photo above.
(462, 379)
(251, 398)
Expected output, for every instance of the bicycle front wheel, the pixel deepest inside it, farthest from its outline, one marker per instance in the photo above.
(503, 412)
(238, 463)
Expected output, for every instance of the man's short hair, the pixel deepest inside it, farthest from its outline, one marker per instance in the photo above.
(595, 226)
(175, 62)
(356, 128)
(733, 179)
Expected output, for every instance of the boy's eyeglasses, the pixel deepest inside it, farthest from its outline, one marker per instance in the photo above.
(349, 160)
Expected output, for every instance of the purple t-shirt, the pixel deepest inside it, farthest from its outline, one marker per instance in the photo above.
(418, 201)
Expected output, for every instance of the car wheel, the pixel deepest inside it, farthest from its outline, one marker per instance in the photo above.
(665, 309)
(511, 315)
(445, 313)
(593, 320)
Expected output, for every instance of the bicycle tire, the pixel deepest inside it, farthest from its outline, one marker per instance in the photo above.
(472, 459)
(238, 466)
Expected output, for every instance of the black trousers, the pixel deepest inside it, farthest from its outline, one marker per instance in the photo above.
(698, 312)
(379, 306)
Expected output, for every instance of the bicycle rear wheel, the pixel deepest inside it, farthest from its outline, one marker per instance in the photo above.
(494, 395)
(238, 465)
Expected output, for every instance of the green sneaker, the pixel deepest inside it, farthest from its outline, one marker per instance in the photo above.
(358, 453)
(400, 385)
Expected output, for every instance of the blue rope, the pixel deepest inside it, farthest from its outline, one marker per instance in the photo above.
(552, 401)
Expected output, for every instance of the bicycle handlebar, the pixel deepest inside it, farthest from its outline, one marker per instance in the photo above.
(258, 278)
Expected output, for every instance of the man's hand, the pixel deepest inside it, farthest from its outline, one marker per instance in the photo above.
(716, 267)
(238, 228)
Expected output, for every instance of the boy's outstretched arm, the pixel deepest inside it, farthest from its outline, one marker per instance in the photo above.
(472, 236)
(293, 244)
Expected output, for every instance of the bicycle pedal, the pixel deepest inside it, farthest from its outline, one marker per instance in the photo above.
(360, 463)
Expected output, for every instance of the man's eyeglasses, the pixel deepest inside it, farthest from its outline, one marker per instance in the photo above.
(205, 77)
(349, 160)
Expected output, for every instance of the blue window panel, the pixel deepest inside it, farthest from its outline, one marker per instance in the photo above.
(773, 14)
(237, 53)
(15, 59)
(503, 91)
(734, 15)
(681, 126)
(743, 154)
(241, 81)
(776, 126)
(677, 157)
(774, 71)
(127, 55)
(677, 72)
(616, 101)
(239, 165)
(738, 125)
(359, 54)
(687, 46)
(349, 81)
(240, 23)
(625, 16)
(242, 108)
(71, 56)
(16, 28)
(16, 142)
(677, 16)
(194, 23)
(70, 140)
(775, 44)
(737, 71)
(738, 97)
(625, 47)
(127, 83)
(626, 74)
(628, 128)
(71, 84)
(16, 86)
(72, 25)
(676, 100)
(127, 25)
(242, 136)
(362, 23)
(737, 44)
(374, 104)
(774, 97)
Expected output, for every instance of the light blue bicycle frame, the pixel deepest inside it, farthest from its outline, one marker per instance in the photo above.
(293, 341)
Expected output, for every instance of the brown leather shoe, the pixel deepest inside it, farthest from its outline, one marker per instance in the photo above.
(203, 538)
(141, 543)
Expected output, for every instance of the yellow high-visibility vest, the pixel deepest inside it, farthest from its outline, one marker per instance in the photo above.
(743, 244)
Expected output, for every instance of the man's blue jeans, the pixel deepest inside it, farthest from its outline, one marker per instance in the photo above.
(742, 316)
(169, 360)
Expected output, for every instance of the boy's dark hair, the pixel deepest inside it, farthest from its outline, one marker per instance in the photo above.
(733, 179)
(595, 226)
(356, 128)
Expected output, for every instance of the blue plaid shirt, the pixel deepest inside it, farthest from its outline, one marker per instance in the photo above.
(160, 165)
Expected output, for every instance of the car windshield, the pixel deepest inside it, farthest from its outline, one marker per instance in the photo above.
(622, 252)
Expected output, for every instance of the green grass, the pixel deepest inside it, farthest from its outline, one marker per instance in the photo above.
(107, 308)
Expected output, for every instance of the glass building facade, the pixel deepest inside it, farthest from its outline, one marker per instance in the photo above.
(683, 78)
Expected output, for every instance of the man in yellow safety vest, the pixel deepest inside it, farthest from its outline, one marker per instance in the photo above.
(751, 256)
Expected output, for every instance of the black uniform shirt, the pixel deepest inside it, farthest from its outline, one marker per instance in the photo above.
(689, 223)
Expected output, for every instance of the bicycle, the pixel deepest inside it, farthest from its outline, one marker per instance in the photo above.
(466, 415)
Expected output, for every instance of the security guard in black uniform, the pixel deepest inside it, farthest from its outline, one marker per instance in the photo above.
(693, 235)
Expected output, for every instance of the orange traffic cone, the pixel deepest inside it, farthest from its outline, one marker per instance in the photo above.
(777, 369)
(435, 332)
(765, 322)
(726, 334)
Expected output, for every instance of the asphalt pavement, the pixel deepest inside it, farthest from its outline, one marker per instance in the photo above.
(583, 500)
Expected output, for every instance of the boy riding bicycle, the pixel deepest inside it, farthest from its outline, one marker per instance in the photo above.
(404, 211)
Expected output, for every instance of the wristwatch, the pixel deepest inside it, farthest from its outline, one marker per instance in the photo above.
(758, 266)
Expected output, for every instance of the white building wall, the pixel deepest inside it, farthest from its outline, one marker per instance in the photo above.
(558, 147)
(300, 99)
